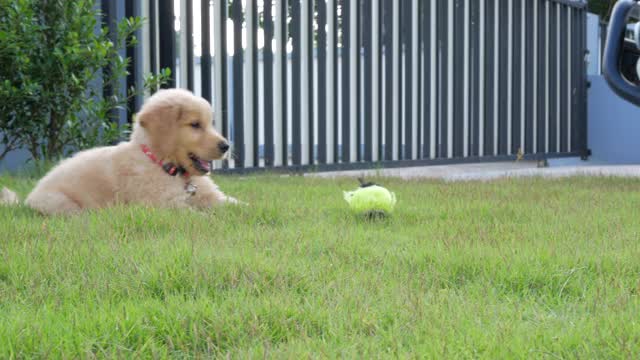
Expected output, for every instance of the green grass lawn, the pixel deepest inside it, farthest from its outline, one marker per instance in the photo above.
(507, 269)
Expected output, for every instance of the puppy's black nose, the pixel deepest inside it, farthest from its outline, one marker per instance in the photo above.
(223, 146)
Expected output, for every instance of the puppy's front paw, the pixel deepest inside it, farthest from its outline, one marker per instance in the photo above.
(8, 197)
(234, 201)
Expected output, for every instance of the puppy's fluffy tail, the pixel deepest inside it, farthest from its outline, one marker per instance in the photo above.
(8, 197)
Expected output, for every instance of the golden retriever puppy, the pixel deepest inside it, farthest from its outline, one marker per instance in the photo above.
(165, 163)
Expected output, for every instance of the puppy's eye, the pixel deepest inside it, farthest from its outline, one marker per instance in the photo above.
(195, 125)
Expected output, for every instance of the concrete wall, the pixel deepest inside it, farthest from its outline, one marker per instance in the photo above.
(593, 45)
(14, 160)
(614, 125)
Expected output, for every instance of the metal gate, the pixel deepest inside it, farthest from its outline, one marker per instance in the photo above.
(330, 84)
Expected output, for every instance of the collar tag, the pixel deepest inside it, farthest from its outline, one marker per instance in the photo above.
(170, 169)
(190, 188)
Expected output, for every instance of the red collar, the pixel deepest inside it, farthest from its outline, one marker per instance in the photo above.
(169, 168)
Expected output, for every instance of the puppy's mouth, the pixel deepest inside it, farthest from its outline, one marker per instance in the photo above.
(203, 166)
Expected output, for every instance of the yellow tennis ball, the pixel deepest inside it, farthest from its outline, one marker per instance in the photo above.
(371, 200)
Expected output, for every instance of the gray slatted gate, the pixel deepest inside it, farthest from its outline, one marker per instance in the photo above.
(354, 84)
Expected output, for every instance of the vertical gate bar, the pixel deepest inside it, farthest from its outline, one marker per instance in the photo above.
(285, 98)
(425, 44)
(109, 20)
(570, 75)
(189, 29)
(583, 82)
(504, 76)
(388, 77)
(458, 79)
(142, 53)
(489, 95)
(405, 151)
(310, 84)
(510, 67)
(132, 67)
(332, 77)
(496, 76)
(433, 100)
(181, 45)
(541, 84)
(563, 75)
(451, 31)
(516, 83)
(376, 63)
(523, 70)
(466, 83)
(267, 56)
(578, 81)
(221, 65)
(281, 137)
(575, 83)
(482, 51)
(219, 106)
(252, 79)
(443, 64)
(557, 79)
(205, 60)
(416, 81)
(456, 62)
(396, 81)
(238, 85)
(422, 35)
(475, 34)
(167, 34)
(296, 120)
(458, 75)
(153, 35)
(548, 74)
(346, 80)
(367, 34)
(356, 119)
(322, 81)
(553, 77)
(306, 78)
(535, 63)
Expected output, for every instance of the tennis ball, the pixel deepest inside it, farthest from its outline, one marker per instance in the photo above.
(370, 200)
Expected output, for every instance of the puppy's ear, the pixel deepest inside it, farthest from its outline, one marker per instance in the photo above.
(160, 120)
(160, 116)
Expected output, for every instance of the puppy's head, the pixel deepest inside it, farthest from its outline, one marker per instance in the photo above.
(179, 127)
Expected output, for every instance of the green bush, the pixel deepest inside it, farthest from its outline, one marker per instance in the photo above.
(601, 7)
(50, 54)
